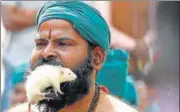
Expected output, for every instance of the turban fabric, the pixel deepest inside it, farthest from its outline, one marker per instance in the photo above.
(18, 75)
(84, 18)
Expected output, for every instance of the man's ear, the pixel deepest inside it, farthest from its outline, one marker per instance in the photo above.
(98, 57)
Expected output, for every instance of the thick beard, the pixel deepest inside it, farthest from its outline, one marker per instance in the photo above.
(73, 91)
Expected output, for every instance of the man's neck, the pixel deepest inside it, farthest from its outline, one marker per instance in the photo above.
(83, 104)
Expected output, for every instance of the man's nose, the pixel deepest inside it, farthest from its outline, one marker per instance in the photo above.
(49, 52)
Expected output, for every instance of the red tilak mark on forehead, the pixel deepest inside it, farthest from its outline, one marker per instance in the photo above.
(49, 34)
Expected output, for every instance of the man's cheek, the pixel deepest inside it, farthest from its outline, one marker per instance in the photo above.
(35, 55)
(69, 62)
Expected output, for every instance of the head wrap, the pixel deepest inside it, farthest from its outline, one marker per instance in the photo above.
(18, 75)
(84, 18)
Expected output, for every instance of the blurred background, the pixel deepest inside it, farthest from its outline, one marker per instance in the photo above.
(142, 67)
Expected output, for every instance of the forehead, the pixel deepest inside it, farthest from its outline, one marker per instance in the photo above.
(57, 28)
(54, 24)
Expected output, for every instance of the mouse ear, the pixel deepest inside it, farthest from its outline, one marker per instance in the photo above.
(61, 71)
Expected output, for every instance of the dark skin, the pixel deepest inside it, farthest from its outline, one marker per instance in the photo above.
(16, 19)
(57, 39)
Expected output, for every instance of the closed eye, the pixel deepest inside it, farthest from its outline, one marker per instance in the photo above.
(63, 44)
(40, 43)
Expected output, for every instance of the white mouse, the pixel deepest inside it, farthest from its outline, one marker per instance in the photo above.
(45, 76)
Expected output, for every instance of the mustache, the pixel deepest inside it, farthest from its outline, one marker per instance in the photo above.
(49, 61)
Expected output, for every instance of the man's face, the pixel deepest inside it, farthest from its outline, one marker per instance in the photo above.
(59, 44)
(58, 39)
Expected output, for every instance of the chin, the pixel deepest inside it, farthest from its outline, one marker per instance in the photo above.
(73, 91)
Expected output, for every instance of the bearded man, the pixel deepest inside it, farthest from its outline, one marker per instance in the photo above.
(74, 35)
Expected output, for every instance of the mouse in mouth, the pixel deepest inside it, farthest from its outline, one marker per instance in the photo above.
(46, 76)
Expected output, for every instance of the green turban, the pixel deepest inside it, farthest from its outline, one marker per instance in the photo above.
(85, 19)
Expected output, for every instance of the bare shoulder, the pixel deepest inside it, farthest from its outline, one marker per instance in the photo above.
(120, 105)
(109, 103)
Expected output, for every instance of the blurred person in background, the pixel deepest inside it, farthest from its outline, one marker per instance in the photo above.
(19, 21)
(131, 95)
(151, 101)
(18, 77)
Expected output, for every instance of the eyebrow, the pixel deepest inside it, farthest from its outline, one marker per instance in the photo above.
(57, 39)
(64, 39)
(40, 39)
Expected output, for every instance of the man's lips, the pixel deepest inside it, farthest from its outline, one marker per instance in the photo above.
(50, 93)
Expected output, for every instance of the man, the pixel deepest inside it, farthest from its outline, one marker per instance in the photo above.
(74, 35)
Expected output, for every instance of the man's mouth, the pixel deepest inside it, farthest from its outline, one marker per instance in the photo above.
(47, 105)
(51, 95)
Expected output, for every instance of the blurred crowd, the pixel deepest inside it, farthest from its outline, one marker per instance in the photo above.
(18, 32)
